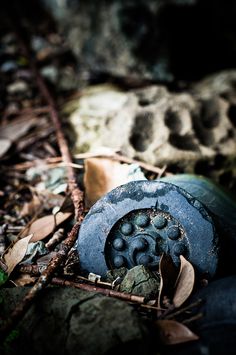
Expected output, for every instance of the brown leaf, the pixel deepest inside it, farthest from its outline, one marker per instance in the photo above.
(24, 279)
(184, 283)
(168, 276)
(172, 332)
(16, 253)
(44, 226)
(101, 176)
(17, 128)
(5, 144)
(29, 208)
(43, 198)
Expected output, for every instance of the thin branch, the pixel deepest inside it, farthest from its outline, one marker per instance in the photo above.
(182, 310)
(104, 291)
(193, 319)
(114, 156)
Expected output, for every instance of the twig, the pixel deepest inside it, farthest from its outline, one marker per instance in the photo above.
(155, 308)
(192, 319)
(55, 239)
(182, 310)
(104, 291)
(27, 111)
(114, 156)
(146, 166)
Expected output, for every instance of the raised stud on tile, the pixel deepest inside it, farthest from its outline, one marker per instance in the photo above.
(160, 222)
(126, 228)
(142, 220)
(118, 244)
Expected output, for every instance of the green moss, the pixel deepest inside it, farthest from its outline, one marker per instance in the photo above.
(3, 277)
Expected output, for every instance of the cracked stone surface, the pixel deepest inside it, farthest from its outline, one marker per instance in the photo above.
(69, 321)
(189, 131)
(141, 282)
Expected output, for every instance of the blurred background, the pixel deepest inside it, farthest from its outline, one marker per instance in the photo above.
(168, 67)
(161, 40)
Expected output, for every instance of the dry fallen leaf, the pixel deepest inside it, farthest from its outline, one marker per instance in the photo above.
(42, 198)
(30, 208)
(17, 128)
(172, 332)
(24, 279)
(44, 226)
(16, 253)
(168, 276)
(184, 283)
(5, 144)
(101, 176)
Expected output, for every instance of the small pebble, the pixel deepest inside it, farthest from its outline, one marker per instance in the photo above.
(8, 66)
(50, 72)
(18, 87)
(38, 43)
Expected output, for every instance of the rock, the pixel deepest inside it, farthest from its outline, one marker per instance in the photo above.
(50, 72)
(18, 87)
(8, 66)
(156, 39)
(68, 321)
(160, 127)
(68, 79)
(38, 43)
(141, 282)
(90, 114)
(9, 44)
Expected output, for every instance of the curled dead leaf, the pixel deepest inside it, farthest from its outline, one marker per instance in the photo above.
(185, 282)
(168, 276)
(172, 332)
(16, 253)
(5, 144)
(42, 227)
(101, 176)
